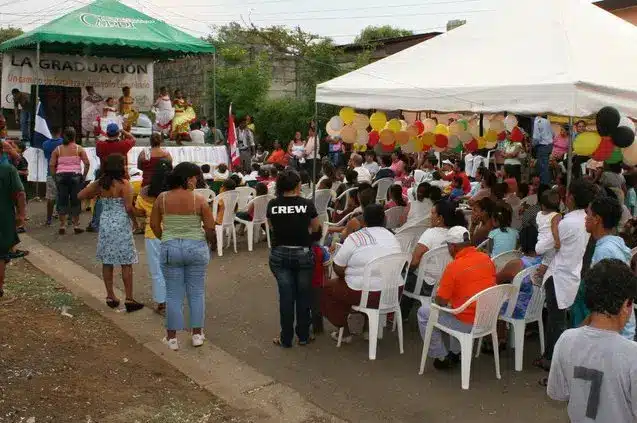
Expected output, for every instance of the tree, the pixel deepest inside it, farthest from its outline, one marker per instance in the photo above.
(9, 32)
(375, 33)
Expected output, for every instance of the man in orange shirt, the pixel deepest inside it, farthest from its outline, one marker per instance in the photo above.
(278, 156)
(470, 272)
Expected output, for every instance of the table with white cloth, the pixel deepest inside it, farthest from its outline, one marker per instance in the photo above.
(212, 155)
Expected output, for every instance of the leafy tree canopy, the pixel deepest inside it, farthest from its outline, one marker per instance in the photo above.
(9, 32)
(374, 33)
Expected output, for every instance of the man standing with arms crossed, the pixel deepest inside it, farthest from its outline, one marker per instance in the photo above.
(22, 108)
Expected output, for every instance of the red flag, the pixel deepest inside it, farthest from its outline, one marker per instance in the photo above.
(232, 140)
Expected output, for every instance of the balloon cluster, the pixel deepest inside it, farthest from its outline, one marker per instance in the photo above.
(613, 142)
(421, 135)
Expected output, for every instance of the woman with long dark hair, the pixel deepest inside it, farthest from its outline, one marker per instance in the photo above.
(149, 157)
(115, 244)
(66, 164)
(144, 208)
(184, 222)
(293, 219)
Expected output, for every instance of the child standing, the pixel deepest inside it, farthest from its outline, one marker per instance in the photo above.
(631, 195)
(503, 237)
(548, 219)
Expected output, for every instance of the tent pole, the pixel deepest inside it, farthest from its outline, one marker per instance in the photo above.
(214, 95)
(316, 141)
(33, 117)
(569, 169)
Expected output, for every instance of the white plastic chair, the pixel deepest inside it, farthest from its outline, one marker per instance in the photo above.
(206, 193)
(533, 314)
(230, 199)
(382, 186)
(488, 305)
(431, 267)
(419, 176)
(259, 217)
(503, 258)
(408, 238)
(245, 195)
(393, 217)
(322, 198)
(341, 223)
(306, 190)
(341, 196)
(484, 246)
(388, 269)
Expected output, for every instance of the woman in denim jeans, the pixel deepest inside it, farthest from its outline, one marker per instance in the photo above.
(177, 219)
(292, 218)
(66, 164)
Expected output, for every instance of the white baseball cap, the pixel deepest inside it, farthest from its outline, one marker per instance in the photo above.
(447, 162)
(457, 235)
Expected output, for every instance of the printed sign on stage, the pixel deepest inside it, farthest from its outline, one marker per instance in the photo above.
(107, 76)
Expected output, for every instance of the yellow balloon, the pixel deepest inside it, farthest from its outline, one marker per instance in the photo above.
(387, 137)
(402, 137)
(586, 143)
(394, 125)
(377, 121)
(491, 136)
(482, 143)
(360, 121)
(441, 130)
(428, 138)
(347, 114)
(418, 145)
(348, 134)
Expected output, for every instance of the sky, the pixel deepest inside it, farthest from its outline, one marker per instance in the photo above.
(341, 21)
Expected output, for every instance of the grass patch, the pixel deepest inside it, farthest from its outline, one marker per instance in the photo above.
(26, 282)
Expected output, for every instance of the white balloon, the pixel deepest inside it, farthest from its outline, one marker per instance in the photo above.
(510, 122)
(335, 123)
(362, 136)
(625, 121)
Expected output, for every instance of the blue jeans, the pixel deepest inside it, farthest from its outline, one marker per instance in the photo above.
(97, 214)
(25, 125)
(335, 158)
(184, 263)
(153, 254)
(542, 155)
(69, 186)
(293, 268)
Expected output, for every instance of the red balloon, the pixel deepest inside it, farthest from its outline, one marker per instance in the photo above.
(471, 146)
(426, 148)
(388, 148)
(373, 139)
(421, 126)
(502, 136)
(605, 149)
(517, 135)
(441, 141)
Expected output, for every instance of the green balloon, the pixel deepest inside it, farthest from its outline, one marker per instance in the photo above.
(616, 156)
(458, 148)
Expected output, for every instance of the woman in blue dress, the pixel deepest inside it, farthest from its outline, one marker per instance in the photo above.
(115, 243)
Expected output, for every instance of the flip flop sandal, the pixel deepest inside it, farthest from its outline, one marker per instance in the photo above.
(132, 305)
(543, 382)
(112, 303)
(542, 363)
(277, 341)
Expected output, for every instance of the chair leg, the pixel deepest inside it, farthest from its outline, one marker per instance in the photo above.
(541, 328)
(398, 321)
(466, 345)
(374, 322)
(518, 334)
(267, 234)
(219, 232)
(340, 337)
(426, 342)
(479, 347)
(382, 322)
(234, 237)
(496, 353)
(250, 229)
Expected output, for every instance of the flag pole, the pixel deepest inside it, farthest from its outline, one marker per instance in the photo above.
(32, 123)
(316, 141)
(214, 95)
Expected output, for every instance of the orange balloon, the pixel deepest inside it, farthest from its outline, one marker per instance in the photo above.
(348, 134)
(402, 137)
(413, 131)
(387, 137)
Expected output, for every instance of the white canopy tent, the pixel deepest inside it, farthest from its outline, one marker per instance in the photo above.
(566, 57)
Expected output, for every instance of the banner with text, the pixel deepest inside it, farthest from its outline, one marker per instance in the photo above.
(106, 75)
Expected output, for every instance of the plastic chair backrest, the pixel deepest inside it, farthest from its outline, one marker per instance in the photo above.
(260, 208)
(393, 216)
(488, 305)
(408, 238)
(431, 267)
(419, 176)
(502, 259)
(206, 193)
(245, 195)
(382, 186)
(538, 294)
(484, 246)
(322, 199)
(335, 185)
(229, 203)
(265, 156)
(388, 270)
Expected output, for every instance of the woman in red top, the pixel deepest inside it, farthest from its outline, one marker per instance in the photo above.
(148, 158)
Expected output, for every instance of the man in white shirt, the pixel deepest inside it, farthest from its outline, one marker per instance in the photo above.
(359, 248)
(543, 145)
(370, 162)
(594, 367)
(245, 142)
(562, 278)
(197, 136)
(356, 163)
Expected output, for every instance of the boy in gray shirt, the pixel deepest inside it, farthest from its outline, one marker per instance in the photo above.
(594, 368)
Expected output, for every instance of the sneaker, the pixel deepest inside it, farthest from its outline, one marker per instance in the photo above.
(346, 339)
(197, 339)
(172, 343)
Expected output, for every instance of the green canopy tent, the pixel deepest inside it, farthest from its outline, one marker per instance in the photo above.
(108, 28)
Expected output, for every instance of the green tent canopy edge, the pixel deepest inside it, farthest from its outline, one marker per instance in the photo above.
(108, 28)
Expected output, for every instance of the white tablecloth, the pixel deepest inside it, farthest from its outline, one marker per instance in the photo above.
(212, 155)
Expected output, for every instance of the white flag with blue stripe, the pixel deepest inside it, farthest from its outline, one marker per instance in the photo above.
(41, 132)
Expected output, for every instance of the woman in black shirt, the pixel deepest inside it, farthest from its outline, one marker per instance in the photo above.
(292, 219)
